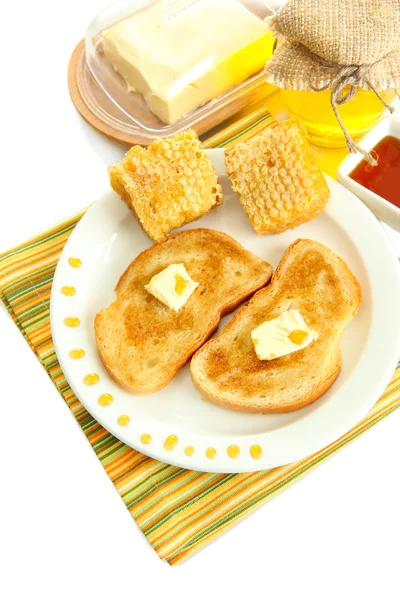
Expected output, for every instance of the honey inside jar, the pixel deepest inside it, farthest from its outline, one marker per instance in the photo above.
(382, 179)
(314, 109)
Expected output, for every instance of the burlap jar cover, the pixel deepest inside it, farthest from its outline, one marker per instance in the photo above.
(341, 45)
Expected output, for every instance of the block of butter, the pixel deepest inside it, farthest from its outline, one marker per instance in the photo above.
(172, 286)
(283, 335)
(181, 56)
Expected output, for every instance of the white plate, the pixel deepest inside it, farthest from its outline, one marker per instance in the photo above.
(108, 238)
(384, 210)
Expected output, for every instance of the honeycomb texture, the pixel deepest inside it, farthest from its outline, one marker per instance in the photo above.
(168, 184)
(278, 181)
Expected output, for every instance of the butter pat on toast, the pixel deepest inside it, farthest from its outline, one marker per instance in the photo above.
(142, 342)
(311, 279)
(168, 184)
(279, 183)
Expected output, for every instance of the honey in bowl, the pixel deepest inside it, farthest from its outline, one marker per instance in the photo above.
(382, 179)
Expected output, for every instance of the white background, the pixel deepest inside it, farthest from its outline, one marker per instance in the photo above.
(64, 532)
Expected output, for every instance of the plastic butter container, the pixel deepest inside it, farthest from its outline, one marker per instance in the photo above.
(168, 65)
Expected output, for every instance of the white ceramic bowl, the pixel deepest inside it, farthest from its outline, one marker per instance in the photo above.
(384, 210)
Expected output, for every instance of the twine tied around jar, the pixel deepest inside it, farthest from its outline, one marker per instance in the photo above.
(352, 77)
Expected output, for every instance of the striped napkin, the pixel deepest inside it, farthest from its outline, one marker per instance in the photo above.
(177, 510)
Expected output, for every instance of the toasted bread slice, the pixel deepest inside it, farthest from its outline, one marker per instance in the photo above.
(279, 183)
(168, 184)
(316, 282)
(142, 342)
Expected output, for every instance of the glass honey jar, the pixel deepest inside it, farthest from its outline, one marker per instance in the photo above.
(337, 64)
(314, 109)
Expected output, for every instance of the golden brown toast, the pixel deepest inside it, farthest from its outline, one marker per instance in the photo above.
(316, 282)
(142, 342)
(168, 184)
(279, 183)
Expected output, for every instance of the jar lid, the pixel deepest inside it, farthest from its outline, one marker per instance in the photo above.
(315, 42)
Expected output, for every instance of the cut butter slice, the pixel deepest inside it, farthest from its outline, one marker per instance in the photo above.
(172, 286)
(282, 335)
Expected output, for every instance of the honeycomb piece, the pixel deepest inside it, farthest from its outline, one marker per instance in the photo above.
(280, 186)
(168, 184)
